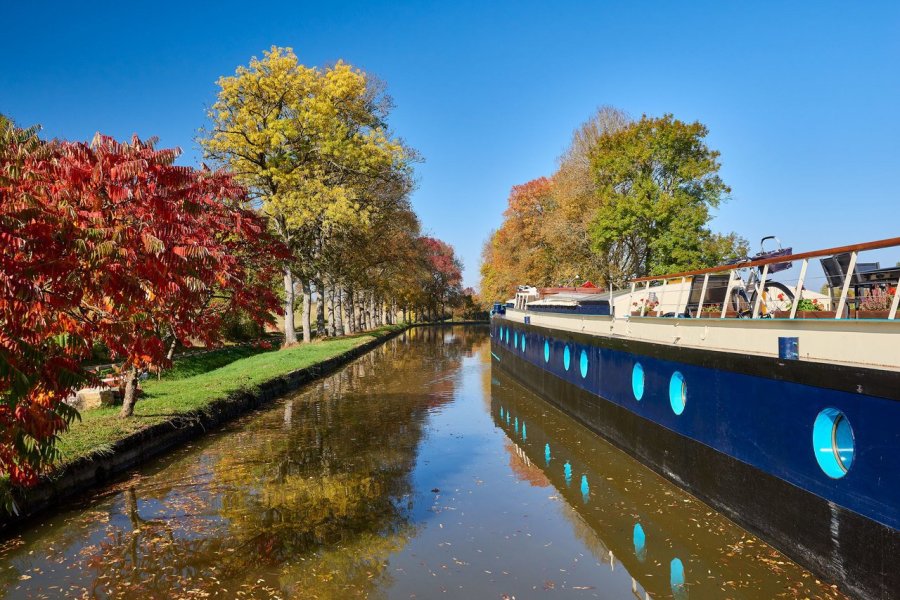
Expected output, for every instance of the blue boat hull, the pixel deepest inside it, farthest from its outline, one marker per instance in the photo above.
(737, 431)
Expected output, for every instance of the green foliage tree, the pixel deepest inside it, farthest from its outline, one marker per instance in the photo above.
(657, 182)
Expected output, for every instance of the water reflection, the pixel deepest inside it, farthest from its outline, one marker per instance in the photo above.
(671, 545)
(416, 471)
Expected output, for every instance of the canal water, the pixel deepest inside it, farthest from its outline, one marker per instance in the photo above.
(414, 472)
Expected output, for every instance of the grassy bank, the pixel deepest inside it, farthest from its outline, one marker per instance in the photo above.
(196, 382)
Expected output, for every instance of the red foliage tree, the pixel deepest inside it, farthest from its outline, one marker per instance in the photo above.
(110, 242)
(444, 272)
(177, 247)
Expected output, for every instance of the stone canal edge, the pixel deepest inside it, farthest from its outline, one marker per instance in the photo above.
(101, 468)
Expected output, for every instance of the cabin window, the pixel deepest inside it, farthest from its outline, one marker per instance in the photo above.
(833, 442)
(515, 339)
(523, 342)
(583, 363)
(677, 392)
(546, 351)
(637, 381)
(567, 358)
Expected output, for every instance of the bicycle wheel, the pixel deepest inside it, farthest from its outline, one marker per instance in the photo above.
(776, 297)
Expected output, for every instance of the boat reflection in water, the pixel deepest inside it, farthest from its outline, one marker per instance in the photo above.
(669, 543)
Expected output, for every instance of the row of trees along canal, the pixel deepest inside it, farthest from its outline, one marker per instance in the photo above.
(630, 198)
(111, 243)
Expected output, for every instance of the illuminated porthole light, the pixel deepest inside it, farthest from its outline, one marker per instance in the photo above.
(833, 442)
(501, 334)
(507, 336)
(640, 542)
(523, 342)
(546, 351)
(637, 381)
(677, 392)
(583, 364)
(567, 358)
(515, 339)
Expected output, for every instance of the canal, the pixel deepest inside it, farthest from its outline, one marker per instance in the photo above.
(414, 472)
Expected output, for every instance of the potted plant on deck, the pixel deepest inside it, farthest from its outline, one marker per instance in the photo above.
(875, 306)
(649, 307)
(807, 308)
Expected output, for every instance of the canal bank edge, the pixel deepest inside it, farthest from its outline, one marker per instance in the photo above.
(101, 467)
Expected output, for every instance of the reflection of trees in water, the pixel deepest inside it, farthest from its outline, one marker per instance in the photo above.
(306, 500)
(523, 468)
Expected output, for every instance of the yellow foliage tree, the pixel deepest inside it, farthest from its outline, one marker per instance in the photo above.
(307, 143)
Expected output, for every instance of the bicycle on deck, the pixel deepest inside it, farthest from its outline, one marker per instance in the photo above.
(773, 296)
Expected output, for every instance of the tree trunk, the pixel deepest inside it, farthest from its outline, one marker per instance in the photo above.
(290, 332)
(351, 311)
(362, 312)
(171, 352)
(130, 396)
(332, 323)
(339, 310)
(307, 333)
(320, 308)
(404, 313)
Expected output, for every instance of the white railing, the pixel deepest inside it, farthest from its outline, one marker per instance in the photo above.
(873, 291)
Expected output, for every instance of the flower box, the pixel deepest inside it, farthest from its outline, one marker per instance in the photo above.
(805, 314)
(869, 314)
(729, 314)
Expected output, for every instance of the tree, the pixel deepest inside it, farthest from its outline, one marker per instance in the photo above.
(443, 276)
(307, 143)
(657, 182)
(173, 250)
(574, 192)
(629, 199)
(40, 343)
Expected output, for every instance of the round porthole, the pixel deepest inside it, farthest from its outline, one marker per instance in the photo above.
(523, 342)
(507, 336)
(637, 381)
(833, 442)
(501, 334)
(567, 358)
(583, 363)
(546, 351)
(677, 392)
(515, 339)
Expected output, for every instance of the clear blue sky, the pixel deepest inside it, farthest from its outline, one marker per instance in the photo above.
(800, 98)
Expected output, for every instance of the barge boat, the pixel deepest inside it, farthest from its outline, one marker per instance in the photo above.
(776, 404)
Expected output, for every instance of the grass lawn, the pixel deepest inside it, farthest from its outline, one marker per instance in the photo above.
(193, 383)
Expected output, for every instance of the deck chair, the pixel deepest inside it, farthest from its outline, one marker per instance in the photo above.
(836, 268)
(715, 293)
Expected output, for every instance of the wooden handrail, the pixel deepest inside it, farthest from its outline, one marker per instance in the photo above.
(778, 259)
